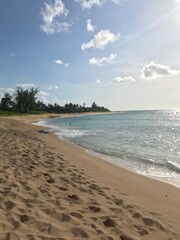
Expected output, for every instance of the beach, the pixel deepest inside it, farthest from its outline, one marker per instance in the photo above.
(50, 189)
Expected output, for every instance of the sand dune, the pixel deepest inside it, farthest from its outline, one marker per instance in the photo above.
(45, 194)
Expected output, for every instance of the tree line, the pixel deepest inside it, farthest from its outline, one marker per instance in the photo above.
(26, 101)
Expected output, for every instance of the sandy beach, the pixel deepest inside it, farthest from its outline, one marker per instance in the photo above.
(52, 190)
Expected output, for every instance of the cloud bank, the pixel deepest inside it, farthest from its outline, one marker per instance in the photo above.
(6, 90)
(26, 85)
(155, 70)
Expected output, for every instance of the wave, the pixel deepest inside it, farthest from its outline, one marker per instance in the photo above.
(174, 166)
(66, 132)
(71, 133)
(140, 162)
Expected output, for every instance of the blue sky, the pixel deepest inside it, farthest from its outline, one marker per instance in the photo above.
(122, 54)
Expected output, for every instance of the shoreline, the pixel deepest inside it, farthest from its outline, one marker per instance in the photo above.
(102, 156)
(33, 119)
(60, 178)
(37, 118)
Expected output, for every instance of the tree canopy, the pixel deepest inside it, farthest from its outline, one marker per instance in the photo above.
(26, 101)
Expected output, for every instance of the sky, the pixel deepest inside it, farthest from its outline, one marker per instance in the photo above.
(122, 54)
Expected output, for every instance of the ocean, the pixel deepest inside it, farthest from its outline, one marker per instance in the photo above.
(145, 142)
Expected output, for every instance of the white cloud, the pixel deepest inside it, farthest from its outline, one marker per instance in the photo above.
(60, 62)
(123, 79)
(25, 85)
(118, 2)
(98, 81)
(50, 99)
(102, 61)
(155, 70)
(87, 4)
(51, 14)
(67, 65)
(5, 90)
(90, 27)
(42, 96)
(101, 40)
(41, 93)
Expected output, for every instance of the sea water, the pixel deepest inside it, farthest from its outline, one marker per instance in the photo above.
(146, 142)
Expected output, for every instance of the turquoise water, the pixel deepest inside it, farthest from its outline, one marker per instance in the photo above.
(146, 142)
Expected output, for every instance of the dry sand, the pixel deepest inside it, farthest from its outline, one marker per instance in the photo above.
(50, 189)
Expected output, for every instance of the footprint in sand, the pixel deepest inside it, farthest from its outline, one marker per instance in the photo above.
(118, 202)
(64, 189)
(109, 222)
(126, 237)
(26, 187)
(65, 179)
(141, 230)
(14, 223)
(79, 232)
(110, 238)
(94, 209)
(48, 178)
(24, 218)
(76, 214)
(11, 235)
(150, 222)
(9, 204)
(99, 231)
(94, 187)
(49, 211)
(116, 210)
(65, 218)
(128, 207)
(84, 190)
(137, 215)
(6, 191)
(93, 226)
(94, 202)
(73, 197)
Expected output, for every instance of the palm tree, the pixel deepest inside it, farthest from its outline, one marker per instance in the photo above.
(6, 102)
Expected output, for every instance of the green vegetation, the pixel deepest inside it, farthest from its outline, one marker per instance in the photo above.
(26, 102)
